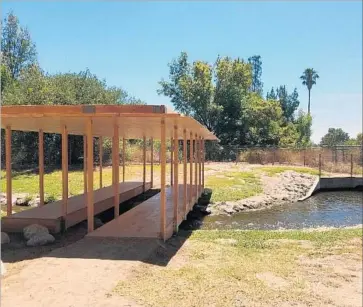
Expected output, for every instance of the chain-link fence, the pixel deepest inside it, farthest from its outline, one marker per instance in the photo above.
(341, 159)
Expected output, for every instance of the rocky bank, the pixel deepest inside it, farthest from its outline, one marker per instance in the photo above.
(288, 186)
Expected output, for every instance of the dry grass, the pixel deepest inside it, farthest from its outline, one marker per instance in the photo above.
(247, 268)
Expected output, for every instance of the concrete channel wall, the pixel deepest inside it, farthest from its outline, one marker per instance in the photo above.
(334, 183)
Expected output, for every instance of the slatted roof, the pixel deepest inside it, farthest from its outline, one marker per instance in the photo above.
(134, 121)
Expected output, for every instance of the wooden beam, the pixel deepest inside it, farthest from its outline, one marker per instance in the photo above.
(85, 164)
(100, 145)
(115, 166)
(191, 153)
(185, 170)
(171, 161)
(123, 158)
(41, 167)
(90, 204)
(152, 163)
(64, 174)
(162, 181)
(9, 201)
(176, 177)
(144, 164)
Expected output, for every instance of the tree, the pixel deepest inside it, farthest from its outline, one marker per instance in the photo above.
(256, 66)
(309, 78)
(288, 102)
(335, 136)
(303, 125)
(212, 94)
(18, 50)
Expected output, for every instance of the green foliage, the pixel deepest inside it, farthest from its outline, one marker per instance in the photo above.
(227, 98)
(274, 170)
(18, 50)
(256, 65)
(335, 136)
(355, 141)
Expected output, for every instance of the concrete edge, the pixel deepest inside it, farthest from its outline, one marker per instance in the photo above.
(315, 187)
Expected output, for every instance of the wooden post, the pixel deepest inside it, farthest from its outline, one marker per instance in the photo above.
(90, 205)
(304, 157)
(171, 160)
(162, 181)
(115, 166)
(191, 153)
(200, 165)
(319, 165)
(203, 159)
(196, 168)
(351, 165)
(123, 158)
(185, 195)
(9, 201)
(152, 163)
(64, 174)
(41, 167)
(85, 164)
(100, 144)
(144, 164)
(176, 177)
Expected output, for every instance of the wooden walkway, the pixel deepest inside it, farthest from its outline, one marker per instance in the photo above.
(143, 221)
(50, 215)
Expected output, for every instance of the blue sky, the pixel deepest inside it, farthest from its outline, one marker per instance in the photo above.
(130, 45)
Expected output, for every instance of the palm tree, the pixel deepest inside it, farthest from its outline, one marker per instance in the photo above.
(309, 79)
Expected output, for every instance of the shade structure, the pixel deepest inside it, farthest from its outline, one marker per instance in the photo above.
(115, 121)
(133, 121)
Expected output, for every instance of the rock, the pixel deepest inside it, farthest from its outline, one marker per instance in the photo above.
(22, 201)
(40, 239)
(34, 202)
(5, 238)
(34, 230)
(3, 269)
(97, 223)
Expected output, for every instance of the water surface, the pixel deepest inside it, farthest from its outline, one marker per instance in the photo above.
(330, 209)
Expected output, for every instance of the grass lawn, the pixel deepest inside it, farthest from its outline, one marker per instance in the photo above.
(273, 170)
(251, 268)
(233, 186)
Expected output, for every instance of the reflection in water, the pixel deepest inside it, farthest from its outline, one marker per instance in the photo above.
(334, 209)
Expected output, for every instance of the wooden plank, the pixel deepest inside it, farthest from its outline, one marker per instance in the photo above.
(84, 164)
(162, 181)
(64, 173)
(176, 177)
(144, 162)
(82, 109)
(191, 154)
(115, 166)
(41, 167)
(90, 196)
(9, 201)
(123, 158)
(152, 162)
(100, 144)
(185, 196)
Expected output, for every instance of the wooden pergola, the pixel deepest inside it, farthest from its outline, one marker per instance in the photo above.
(126, 122)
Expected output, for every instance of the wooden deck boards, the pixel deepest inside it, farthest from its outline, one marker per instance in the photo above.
(144, 220)
(50, 215)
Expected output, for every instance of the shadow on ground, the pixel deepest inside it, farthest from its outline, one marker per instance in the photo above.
(74, 244)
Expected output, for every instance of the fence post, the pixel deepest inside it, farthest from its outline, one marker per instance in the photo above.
(304, 157)
(319, 165)
(351, 165)
(273, 156)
